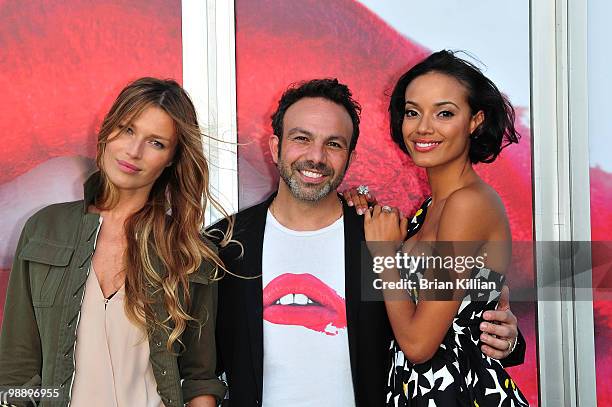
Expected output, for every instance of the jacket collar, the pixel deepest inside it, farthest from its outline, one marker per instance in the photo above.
(91, 189)
(353, 238)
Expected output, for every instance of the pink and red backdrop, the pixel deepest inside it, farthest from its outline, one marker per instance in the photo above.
(64, 62)
(280, 42)
(601, 230)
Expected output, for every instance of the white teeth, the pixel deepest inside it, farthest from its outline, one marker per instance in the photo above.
(294, 299)
(425, 145)
(300, 299)
(312, 174)
(287, 299)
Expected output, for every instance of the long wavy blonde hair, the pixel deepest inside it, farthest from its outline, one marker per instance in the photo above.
(168, 227)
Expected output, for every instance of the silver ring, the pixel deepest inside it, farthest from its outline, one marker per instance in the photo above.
(363, 190)
(387, 209)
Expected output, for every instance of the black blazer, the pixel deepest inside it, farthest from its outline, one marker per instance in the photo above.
(240, 314)
(239, 328)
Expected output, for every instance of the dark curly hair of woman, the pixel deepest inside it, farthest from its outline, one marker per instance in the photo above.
(497, 129)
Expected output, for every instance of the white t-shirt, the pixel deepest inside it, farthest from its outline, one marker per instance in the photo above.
(306, 353)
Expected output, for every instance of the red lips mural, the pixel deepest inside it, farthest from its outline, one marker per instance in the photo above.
(312, 303)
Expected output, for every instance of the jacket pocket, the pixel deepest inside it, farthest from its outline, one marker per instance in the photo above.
(48, 261)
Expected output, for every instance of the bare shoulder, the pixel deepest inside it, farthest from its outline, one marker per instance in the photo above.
(478, 198)
(473, 212)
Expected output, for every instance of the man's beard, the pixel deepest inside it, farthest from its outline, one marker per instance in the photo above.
(305, 191)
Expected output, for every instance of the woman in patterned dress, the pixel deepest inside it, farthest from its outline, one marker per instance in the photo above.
(447, 116)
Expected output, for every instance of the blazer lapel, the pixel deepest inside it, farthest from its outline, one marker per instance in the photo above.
(353, 236)
(252, 239)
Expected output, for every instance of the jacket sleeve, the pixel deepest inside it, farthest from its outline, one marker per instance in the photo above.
(197, 363)
(20, 346)
(517, 357)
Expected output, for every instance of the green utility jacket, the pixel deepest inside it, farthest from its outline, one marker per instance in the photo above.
(43, 303)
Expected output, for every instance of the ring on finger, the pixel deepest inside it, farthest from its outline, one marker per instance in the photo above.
(387, 209)
(363, 190)
(509, 344)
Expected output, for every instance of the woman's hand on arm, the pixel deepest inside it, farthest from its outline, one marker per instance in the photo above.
(361, 202)
(385, 230)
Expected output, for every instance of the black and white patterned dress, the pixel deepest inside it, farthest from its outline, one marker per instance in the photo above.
(459, 374)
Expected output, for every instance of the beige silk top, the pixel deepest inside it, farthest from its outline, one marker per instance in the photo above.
(112, 367)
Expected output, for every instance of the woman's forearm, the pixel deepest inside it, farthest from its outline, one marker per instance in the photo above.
(418, 329)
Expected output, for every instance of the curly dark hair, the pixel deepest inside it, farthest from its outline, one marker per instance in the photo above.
(327, 88)
(492, 135)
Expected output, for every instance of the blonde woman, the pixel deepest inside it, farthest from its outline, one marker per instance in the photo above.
(112, 299)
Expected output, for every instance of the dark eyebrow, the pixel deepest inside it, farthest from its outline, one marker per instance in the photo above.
(333, 137)
(299, 130)
(444, 102)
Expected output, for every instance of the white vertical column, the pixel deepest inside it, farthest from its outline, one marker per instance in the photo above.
(580, 193)
(561, 200)
(209, 75)
(546, 190)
